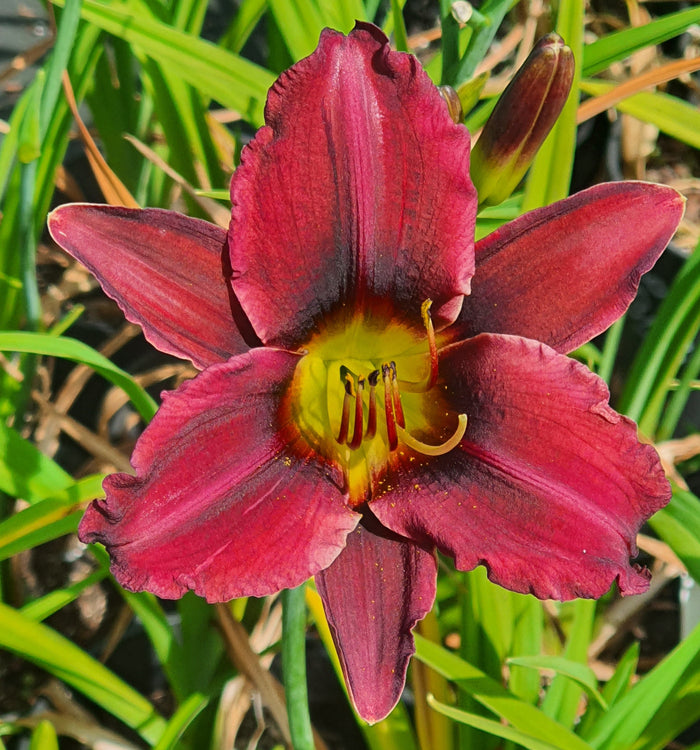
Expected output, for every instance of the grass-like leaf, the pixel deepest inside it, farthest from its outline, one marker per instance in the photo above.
(39, 523)
(68, 348)
(48, 649)
(664, 348)
(527, 640)
(44, 737)
(84, 53)
(616, 46)
(564, 695)
(300, 23)
(576, 671)
(490, 693)
(678, 524)
(25, 471)
(47, 519)
(669, 114)
(495, 728)
(626, 721)
(226, 77)
(46, 605)
(180, 720)
(615, 688)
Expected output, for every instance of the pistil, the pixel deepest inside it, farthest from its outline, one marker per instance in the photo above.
(432, 344)
(429, 382)
(436, 450)
(356, 441)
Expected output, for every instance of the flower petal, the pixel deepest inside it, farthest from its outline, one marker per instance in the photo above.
(356, 191)
(549, 486)
(163, 269)
(564, 273)
(374, 593)
(220, 503)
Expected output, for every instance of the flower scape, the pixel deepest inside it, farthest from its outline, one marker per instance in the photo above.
(374, 386)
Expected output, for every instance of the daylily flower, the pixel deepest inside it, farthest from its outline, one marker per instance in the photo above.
(359, 405)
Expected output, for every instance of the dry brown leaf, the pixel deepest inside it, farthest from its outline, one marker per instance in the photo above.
(625, 610)
(113, 189)
(248, 663)
(50, 423)
(661, 551)
(216, 211)
(116, 397)
(635, 85)
(92, 443)
(672, 452)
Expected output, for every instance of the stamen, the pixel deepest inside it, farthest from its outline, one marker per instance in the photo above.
(356, 441)
(372, 379)
(345, 417)
(436, 450)
(396, 397)
(389, 409)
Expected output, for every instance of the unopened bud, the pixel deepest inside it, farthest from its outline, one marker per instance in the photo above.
(454, 105)
(465, 13)
(461, 11)
(521, 120)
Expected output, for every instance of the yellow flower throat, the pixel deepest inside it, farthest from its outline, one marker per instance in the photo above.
(364, 411)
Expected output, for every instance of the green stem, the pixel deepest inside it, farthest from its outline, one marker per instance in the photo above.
(32, 302)
(294, 667)
(612, 344)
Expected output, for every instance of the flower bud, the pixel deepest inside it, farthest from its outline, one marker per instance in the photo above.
(521, 120)
(454, 105)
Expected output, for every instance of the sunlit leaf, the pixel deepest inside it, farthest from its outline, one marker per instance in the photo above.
(620, 44)
(51, 651)
(228, 78)
(493, 727)
(668, 113)
(68, 348)
(578, 672)
(678, 524)
(495, 697)
(625, 722)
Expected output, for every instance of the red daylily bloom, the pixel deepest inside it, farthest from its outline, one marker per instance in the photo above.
(357, 407)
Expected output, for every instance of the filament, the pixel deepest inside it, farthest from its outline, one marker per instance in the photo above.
(396, 397)
(372, 379)
(345, 415)
(356, 441)
(389, 408)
